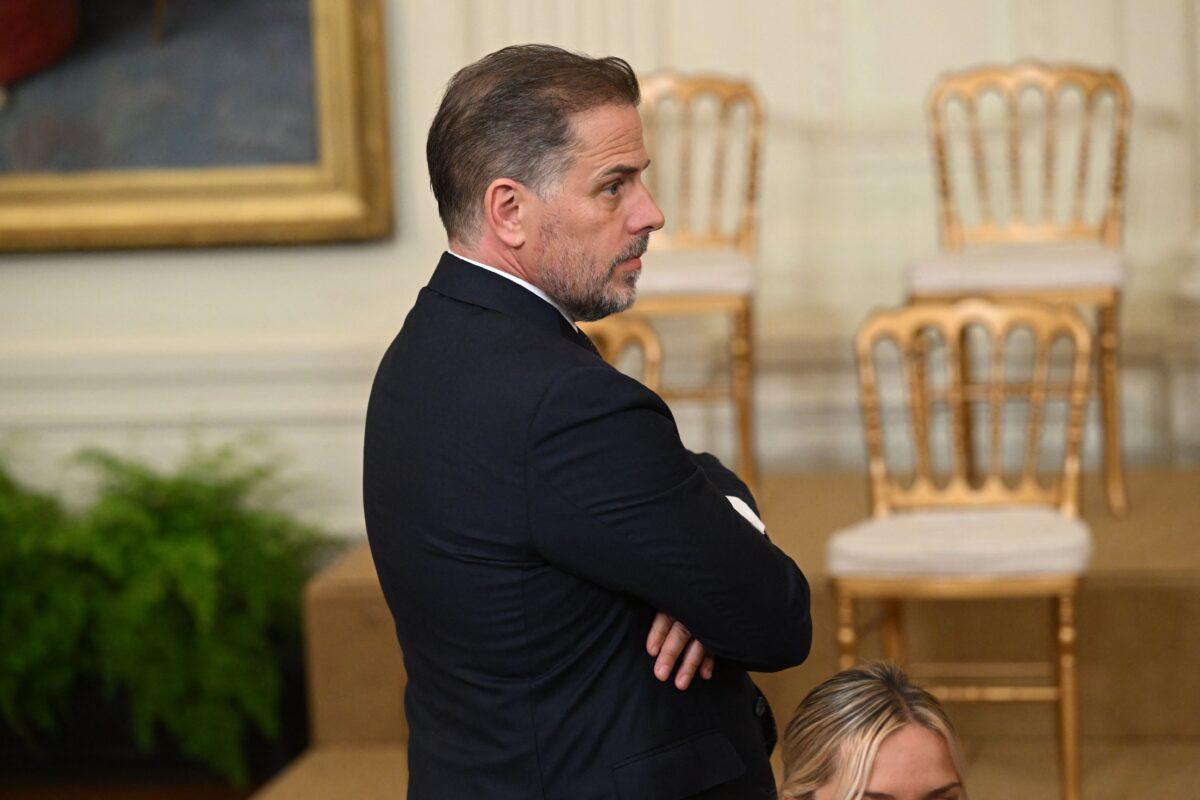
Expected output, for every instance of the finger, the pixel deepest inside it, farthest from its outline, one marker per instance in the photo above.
(676, 640)
(691, 662)
(658, 631)
(706, 669)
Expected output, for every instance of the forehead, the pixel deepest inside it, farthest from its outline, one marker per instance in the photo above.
(605, 136)
(911, 759)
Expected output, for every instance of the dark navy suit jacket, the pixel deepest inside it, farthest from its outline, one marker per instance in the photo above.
(529, 508)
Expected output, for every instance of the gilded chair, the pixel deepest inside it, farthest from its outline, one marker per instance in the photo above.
(1028, 230)
(614, 336)
(704, 135)
(1005, 527)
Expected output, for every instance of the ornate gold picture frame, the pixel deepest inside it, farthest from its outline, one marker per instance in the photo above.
(345, 193)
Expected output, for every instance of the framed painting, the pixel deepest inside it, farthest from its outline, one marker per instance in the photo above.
(151, 123)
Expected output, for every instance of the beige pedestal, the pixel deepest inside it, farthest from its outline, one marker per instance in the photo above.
(363, 772)
(1138, 650)
(355, 692)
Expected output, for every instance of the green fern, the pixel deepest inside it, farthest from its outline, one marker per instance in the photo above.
(44, 611)
(176, 589)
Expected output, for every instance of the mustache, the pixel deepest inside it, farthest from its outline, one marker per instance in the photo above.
(636, 249)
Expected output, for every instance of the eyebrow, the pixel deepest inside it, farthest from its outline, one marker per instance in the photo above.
(622, 169)
(929, 796)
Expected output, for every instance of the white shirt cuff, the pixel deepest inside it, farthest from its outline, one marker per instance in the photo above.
(743, 508)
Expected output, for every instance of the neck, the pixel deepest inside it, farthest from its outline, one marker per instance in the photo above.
(502, 258)
(501, 261)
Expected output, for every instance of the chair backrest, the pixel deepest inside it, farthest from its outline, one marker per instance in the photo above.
(678, 111)
(933, 338)
(614, 335)
(1060, 102)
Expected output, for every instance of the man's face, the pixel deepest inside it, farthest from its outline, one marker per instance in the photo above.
(593, 227)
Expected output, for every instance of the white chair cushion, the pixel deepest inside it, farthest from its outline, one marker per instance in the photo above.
(1016, 268)
(1007, 541)
(699, 272)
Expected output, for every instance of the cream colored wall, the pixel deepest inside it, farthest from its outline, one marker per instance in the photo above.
(146, 351)
(141, 350)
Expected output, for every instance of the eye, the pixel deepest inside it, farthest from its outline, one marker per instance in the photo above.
(613, 188)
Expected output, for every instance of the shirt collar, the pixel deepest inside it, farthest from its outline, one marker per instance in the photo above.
(520, 282)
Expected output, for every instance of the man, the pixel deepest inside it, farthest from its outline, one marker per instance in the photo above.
(550, 551)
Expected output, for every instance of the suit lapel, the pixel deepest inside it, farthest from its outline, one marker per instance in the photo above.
(468, 283)
(585, 341)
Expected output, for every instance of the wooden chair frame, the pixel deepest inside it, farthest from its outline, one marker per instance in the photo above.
(907, 327)
(968, 87)
(686, 234)
(683, 233)
(614, 335)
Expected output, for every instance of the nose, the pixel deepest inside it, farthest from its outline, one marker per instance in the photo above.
(647, 217)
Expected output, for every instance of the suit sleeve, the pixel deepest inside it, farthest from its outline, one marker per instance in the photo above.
(615, 498)
(725, 479)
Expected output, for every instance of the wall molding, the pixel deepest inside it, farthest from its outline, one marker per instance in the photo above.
(806, 387)
(310, 402)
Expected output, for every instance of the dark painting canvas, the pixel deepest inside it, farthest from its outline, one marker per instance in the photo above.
(178, 84)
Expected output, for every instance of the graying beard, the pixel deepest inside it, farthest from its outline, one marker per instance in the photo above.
(602, 304)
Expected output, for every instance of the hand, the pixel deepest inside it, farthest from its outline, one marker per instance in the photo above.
(667, 640)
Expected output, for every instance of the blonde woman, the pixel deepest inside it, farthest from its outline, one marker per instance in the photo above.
(870, 734)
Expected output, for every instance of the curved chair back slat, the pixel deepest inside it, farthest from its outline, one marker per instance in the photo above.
(685, 93)
(916, 331)
(1050, 83)
(615, 335)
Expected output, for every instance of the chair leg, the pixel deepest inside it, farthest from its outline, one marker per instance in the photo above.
(918, 402)
(742, 378)
(1068, 711)
(1110, 408)
(966, 424)
(847, 636)
(893, 631)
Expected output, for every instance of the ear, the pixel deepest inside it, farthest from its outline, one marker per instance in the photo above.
(506, 211)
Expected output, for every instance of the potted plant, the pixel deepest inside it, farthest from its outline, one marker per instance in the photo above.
(174, 593)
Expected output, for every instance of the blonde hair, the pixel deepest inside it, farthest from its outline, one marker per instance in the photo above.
(838, 727)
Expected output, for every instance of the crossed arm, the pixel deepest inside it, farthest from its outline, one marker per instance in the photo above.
(654, 522)
(669, 638)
